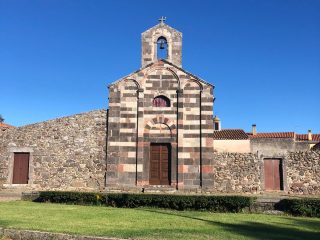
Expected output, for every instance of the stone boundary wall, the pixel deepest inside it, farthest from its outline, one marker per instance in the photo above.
(16, 234)
(65, 154)
(303, 172)
(236, 173)
(243, 173)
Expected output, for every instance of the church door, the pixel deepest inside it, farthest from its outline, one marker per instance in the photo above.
(273, 174)
(21, 168)
(159, 164)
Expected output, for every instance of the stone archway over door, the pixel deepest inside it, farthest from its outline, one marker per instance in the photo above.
(160, 164)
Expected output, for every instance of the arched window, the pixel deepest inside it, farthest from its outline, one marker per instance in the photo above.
(161, 101)
(162, 48)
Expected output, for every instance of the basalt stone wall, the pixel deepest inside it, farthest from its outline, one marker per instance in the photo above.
(303, 172)
(65, 154)
(236, 173)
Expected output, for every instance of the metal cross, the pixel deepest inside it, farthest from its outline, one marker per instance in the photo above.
(162, 19)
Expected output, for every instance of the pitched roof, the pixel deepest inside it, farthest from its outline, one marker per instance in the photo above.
(162, 25)
(304, 137)
(157, 62)
(230, 134)
(4, 126)
(237, 134)
(273, 135)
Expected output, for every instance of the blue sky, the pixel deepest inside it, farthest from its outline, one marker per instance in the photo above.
(57, 57)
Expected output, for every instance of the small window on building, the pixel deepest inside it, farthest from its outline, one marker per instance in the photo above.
(162, 48)
(161, 101)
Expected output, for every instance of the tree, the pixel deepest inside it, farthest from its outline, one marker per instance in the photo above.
(1, 119)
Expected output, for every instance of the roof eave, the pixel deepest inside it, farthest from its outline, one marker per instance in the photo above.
(167, 62)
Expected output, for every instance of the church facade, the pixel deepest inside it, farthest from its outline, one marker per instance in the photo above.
(158, 134)
(157, 118)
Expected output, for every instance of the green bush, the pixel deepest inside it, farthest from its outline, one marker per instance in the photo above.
(300, 207)
(82, 198)
(181, 202)
(177, 202)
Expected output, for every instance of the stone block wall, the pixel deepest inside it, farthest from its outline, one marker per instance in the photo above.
(303, 172)
(65, 154)
(243, 173)
(236, 173)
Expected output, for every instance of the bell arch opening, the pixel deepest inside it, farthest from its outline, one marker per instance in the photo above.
(162, 48)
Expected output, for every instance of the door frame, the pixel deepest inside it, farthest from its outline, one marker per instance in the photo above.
(169, 162)
(12, 151)
(21, 168)
(283, 173)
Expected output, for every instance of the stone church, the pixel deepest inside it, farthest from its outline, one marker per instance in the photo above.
(157, 118)
(158, 134)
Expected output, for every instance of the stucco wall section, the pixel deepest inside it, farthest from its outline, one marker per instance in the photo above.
(240, 146)
(66, 153)
(277, 146)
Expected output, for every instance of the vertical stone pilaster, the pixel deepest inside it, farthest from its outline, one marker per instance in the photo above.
(140, 148)
(180, 130)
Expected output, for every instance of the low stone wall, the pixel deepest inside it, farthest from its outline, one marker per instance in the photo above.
(16, 234)
(236, 173)
(242, 173)
(303, 172)
(65, 154)
(70, 154)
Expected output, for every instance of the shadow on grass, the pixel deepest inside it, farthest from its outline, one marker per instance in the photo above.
(258, 231)
(307, 223)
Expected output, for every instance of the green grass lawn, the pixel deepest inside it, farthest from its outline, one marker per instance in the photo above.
(143, 223)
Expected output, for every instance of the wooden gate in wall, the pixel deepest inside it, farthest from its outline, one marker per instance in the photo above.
(21, 168)
(273, 174)
(160, 159)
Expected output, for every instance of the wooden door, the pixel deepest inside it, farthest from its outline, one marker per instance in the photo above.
(159, 164)
(273, 174)
(20, 168)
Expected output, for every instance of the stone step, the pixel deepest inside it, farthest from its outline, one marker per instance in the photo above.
(10, 196)
(14, 194)
(11, 190)
(270, 198)
(159, 189)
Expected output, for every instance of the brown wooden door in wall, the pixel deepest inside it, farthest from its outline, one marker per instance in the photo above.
(159, 164)
(20, 168)
(272, 174)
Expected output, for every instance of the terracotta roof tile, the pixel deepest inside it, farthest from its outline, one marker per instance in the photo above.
(230, 134)
(233, 134)
(304, 137)
(274, 135)
(4, 126)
